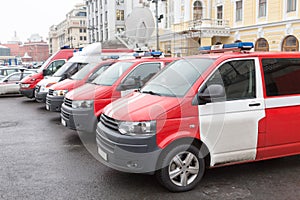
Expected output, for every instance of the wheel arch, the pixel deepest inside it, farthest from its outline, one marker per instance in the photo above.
(193, 141)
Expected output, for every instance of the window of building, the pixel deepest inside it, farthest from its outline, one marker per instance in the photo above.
(262, 8)
(239, 10)
(118, 2)
(291, 5)
(198, 10)
(220, 14)
(261, 45)
(120, 15)
(290, 43)
(238, 79)
(281, 76)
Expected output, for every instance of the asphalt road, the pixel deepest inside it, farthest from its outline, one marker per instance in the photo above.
(41, 159)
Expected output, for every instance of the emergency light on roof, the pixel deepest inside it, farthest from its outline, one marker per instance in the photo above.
(154, 54)
(239, 46)
(114, 57)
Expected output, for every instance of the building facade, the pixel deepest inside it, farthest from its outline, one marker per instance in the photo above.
(70, 32)
(35, 49)
(185, 25)
(271, 25)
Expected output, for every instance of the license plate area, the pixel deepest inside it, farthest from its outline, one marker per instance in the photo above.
(102, 154)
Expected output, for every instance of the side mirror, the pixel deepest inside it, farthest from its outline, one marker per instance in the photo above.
(129, 83)
(212, 92)
(65, 76)
(45, 72)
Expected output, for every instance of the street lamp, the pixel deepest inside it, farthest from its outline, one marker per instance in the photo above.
(158, 20)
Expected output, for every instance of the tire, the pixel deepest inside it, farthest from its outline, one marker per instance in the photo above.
(182, 167)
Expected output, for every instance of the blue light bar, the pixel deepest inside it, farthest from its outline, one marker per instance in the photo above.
(242, 45)
(227, 47)
(114, 57)
(156, 53)
(205, 48)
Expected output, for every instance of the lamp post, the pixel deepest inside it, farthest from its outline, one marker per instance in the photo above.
(158, 20)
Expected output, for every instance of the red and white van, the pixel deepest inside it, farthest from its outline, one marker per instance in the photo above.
(87, 74)
(50, 66)
(205, 111)
(82, 106)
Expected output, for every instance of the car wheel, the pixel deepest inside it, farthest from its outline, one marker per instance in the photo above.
(181, 168)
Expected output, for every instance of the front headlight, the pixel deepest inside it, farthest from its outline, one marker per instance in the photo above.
(24, 85)
(43, 89)
(59, 92)
(138, 128)
(82, 104)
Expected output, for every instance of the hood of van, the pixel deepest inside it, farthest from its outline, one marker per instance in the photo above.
(32, 78)
(49, 80)
(90, 91)
(143, 107)
(67, 84)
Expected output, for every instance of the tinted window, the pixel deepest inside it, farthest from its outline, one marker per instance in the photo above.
(282, 76)
(238, 79)
(143, 73)
(68, 67)
(97, 72)
(111, 75)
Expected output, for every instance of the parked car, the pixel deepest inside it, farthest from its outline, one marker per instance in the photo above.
(82, 106)
(87, 74)
(205, 111)
(10, 83)
(7, 70)
(49, 67)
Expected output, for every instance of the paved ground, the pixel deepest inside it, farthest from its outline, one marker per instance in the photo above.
(40, 159)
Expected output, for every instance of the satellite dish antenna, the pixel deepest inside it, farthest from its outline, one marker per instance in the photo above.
(140, 26)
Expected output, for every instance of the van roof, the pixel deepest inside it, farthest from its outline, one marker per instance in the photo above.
(229, 55)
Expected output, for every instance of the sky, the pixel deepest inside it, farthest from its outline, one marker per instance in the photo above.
(28, 17)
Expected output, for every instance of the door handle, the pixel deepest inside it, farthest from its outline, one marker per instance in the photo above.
(254, 104)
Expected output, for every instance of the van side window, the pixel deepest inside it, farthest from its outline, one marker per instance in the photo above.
(54, 66)
(282, 76)
(238, 79)
(142, 73)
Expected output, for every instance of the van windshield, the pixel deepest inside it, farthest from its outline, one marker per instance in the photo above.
(63, 69)
(111, 75)
(84, 71)
(176, 79)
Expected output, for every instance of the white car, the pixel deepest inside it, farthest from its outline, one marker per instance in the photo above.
(10, 83)
(5, 70)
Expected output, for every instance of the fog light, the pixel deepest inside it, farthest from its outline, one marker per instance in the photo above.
(132, 164)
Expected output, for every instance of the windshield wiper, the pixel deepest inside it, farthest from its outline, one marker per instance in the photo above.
(151, 92)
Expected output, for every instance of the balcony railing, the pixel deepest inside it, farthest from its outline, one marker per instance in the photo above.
(212, 27)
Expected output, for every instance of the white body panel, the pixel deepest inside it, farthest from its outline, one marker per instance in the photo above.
(230, 128)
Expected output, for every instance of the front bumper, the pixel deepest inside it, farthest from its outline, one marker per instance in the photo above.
(53, 103)
(127, 153)
(27, 92)
(40, 96)
(79, 119)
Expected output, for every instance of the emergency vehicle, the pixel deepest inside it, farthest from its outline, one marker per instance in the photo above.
(82, 106)
(205, 111)
(87, 74)
(49, 67)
